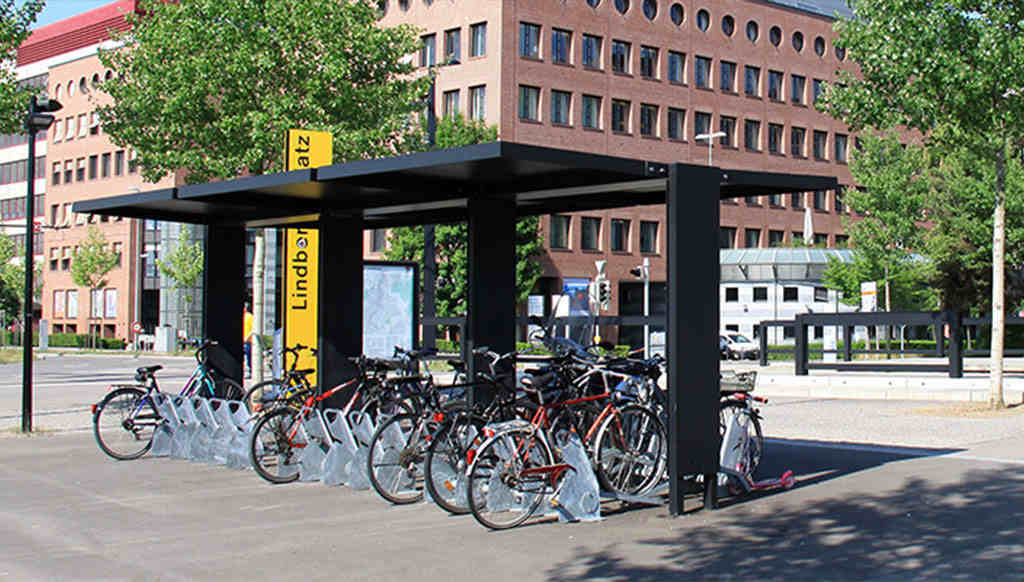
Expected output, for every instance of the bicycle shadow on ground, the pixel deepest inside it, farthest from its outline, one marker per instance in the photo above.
(961, 528)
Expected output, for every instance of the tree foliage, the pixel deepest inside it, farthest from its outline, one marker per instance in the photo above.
(15, 23)
(12, 278)
(183, 265)
(93, 261)
(211, 86)
(451, 242)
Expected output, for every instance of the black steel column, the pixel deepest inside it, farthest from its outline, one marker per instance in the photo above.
(429, 309)
(691, 331)
(801, 356)
(847, 343)
(764, 344)
(29, 298)
(490, 313)
(956, 353)
(940, 348)
(340, 302)
(224, 290)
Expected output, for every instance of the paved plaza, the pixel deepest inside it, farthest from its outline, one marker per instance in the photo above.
(887, 490)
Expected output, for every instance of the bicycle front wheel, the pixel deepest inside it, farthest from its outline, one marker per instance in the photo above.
(755, 439)
(275, 446)
(448, 456)
(630, 451)
(507, 481)
(395, 460)
(124, 423)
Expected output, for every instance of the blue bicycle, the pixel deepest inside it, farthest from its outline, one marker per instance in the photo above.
(125, 420)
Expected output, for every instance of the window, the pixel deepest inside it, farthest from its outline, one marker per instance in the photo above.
(559, 232)
(450, 104)
(591, 51)
(118, 249)
(94, 162)
(119, 162)
(592, 112)
(820, 144)
(790, 294)
(65, 258)
(561, 46)
(133, 162)
(590, 233)
(105, 165)
(728, 25)
(775, 238)
(820, 239)
(732, 295)
(752, 81)
(96, 299)
(529, 103)
(798, 41)
(94, 123)
(648, 120)
(478, 39)
(648, 62)
(796, 200)
(840, 147)
(676, 67)
(701, 123)
(677, 13)
(726, 237)
(751, 238)
(72, 310)
(58, 302)
(560, 107)
(620, 235)
(798, 238)
(774, 138)
(529, 40)
(775, 85)
(797, 83)
(452, 45)
(650, 9)
(775, 199)
(752, 31)
(70, 123)
(68, 171)
(839, 200)
(622, 6)
(703, 19)
(620, 115)
(727, 125)
(702, 72)
(620, 56)
(478, 102)
(760, 295)
(58, 131)
(648, 236)
(819, 200)
(83, 128)
(842, 241)
(378, 240)
(752, 134)
(788, 332)
(56, 174)
(80, 170)
(817, 87)
(796, 141)
(676, 123)
(727, 82)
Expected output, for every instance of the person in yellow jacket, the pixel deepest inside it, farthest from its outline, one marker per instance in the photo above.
(247, 322)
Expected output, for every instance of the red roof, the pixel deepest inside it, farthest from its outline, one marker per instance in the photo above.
(78, 31)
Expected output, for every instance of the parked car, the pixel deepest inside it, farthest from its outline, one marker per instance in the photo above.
(737, 346)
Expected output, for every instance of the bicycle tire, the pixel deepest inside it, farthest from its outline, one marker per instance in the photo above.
(446, 461)
(392, 460)
(524, 492)
(630, 451)
(232, 390)
(753, 430)
(262, 388)
(117, 418)
(274, 449)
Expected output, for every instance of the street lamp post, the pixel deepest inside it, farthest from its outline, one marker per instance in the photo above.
(38, 118)
(709, 137)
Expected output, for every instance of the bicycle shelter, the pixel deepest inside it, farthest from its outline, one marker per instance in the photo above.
(489, 186)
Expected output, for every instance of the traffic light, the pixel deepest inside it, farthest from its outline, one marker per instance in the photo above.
(604, 293)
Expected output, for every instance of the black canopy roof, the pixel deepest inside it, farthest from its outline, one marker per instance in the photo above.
(433, 187)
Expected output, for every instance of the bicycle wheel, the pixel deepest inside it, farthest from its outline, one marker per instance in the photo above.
(395, 460)
(275, 446)
(630, 451)
(263, 395)
(124, 423)
(232, 390)
(504, 486)
(446, 461)
(755, 451)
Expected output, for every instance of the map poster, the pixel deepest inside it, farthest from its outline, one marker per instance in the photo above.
(389, 308)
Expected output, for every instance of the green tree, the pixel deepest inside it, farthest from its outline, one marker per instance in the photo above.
(891, 204)
(183, 266)
(211, 86)
(950, 69)
(12, 279)
(15, 23)
(91, 264)
(450, 240)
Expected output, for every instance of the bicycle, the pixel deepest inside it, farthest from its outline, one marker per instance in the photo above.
(125, 420)
(288, 390)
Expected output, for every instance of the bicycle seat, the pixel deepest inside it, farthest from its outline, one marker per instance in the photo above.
(303, 372)
(148, 370)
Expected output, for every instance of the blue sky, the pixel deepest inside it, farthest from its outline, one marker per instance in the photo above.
(60, 9)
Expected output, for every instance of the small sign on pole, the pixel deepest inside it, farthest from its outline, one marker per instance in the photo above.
(868, 296)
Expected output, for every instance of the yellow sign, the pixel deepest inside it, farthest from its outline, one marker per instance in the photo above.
(301, 281)
(303, 150)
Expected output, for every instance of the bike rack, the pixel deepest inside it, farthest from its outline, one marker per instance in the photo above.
(393, 442)
(579, 498)
(318, 444)
(187, 413)
(343, 449)
(238, 447)
(224, 433)
(163, 436)
(202, 443)
(182, 431)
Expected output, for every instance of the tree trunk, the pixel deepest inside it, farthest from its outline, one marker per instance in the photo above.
(258, 268)
(888, 309)
(995, 397)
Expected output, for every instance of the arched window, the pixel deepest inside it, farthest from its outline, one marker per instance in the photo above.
(752, 31)
(728, 25)
(677, 14)
(775, 35)
(703, 19)
(798, 41)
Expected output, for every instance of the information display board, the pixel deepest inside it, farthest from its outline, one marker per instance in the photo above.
(389, 308)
